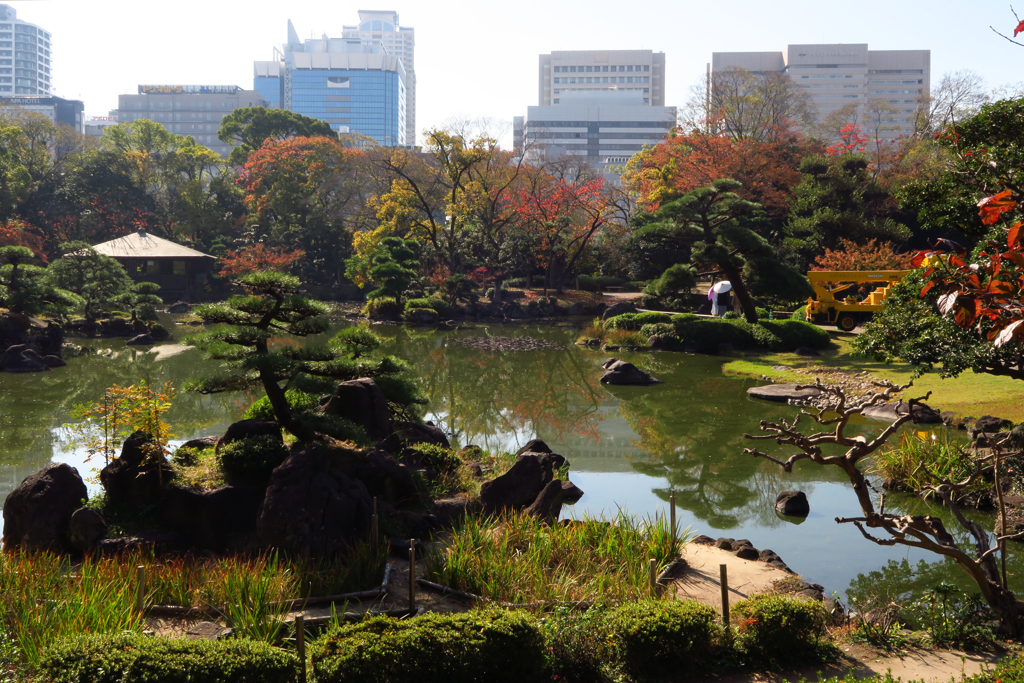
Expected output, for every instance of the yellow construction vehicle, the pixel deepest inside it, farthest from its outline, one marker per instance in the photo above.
(834, 302)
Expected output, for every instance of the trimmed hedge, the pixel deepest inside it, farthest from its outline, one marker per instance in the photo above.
(442, 307)
(382, 307)
(252, 459)
(657, 639)
(705, 335)
(795, 333)
(777, 629)
(421, 315)
(634, 321)
(135, 658)
(485, 645)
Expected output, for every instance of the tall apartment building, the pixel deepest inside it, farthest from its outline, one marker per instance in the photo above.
(637, 71)
(837, 75)
(59, 110)
(194, 110)
(355, 86)
(24, 56)
(383, 27)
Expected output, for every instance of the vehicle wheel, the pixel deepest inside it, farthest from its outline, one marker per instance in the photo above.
(846, 322)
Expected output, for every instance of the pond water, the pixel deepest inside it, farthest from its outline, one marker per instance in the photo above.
(627, 445)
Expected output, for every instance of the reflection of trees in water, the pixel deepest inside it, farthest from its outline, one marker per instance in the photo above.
(489, 398)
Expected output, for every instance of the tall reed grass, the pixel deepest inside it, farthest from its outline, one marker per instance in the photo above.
(520, 559)
(909, 464)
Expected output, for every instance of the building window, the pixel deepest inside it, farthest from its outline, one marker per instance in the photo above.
(152, 267)
(179, 267)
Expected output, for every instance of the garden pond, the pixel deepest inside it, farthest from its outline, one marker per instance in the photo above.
(628, 446)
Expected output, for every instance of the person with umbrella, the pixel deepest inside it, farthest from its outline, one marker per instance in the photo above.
(720, 297)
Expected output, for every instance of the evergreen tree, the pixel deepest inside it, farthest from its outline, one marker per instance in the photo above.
(25, 288)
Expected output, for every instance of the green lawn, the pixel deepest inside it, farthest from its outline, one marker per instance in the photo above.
(969, 394)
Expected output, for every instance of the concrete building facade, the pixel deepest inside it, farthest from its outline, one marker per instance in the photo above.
(382, 27)
(59, 110)
(600, 71)
(355, 86)
(25, 54)
(194, 110)
(838, 75)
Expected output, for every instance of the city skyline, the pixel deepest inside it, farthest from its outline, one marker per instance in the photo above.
(480, 62)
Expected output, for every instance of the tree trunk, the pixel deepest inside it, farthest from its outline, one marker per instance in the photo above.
(742, 295)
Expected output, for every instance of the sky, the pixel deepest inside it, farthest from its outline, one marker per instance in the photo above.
(478, 59)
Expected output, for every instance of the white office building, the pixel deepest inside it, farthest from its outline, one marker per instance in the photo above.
(400, 41)
(837, 75)
(24, 56)
(600, 71)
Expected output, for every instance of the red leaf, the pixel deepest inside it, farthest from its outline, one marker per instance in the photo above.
(1000, 287)
(920, 257)
(990, 208)
(1019, 29)
(927, 288)
(1013, 235)
(964, 316)
(1007, 334)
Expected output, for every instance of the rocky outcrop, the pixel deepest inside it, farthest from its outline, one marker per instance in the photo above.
(571, 493)
(140, 340)
(53, 361)
(312, 505)
(548, 503)
(211, 519)
(621, 373)
(22, 358)
(618, 309)
(179, 307)
(362, 402)
(891, 411)
(386, 478)
(134, 479)
(782, 393)
(988, 424)
(86, 529)
(246, 429)
(37, 514)
(408, 433)
(792, 503)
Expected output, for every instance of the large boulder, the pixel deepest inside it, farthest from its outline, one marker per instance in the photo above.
(409, 433)
(140, 340)
(246, 429)
(571, 493)
(135, 478)
(22, 358)
(987, 424)
(618, 309)
(548, 503)
(211, 519)
(38, 512)
(792, 503)
(891, 411)
(783, 393)
(387, 479)
(361, 401)
(312, 505)
(520, 486)
(621, 373)
(179, 307)
(86, 528)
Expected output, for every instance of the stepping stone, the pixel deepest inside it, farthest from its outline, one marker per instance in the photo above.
(781, 393)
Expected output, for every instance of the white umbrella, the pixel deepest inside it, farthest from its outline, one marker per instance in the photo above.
(723, 286)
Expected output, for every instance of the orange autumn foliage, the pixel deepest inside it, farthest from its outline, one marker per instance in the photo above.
(871, 255)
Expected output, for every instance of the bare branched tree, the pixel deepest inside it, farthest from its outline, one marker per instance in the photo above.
(959, 95)
(924, 532)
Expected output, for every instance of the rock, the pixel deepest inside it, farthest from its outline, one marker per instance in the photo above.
(157, 542)
(576, 309)
(620, 373)
(618, 309)
(159, 333)
(701, 539)
(891, 411)
(387, 479)
(86, 528)
(534, 446)
(724, 543)
(548, 504)
(37, 513)
(134, 478)
(747, 553)
(53, 361)
(793, 503)
(835, 608)
(117, 327)
(361, 401)
(768, 555)
(208, 630)
(988, 424)
(179, 307)
(451, 511)
(312, 506)
(140, 340)
(246, 429)
(409, 433)
(806, 351)
(201, 443)
(520, 486)
(21, 358)
(211, 519)
(782, 393)
(571, 493)
(656, 343)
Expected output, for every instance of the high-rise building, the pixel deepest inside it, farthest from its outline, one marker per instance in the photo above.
(838, 75)
(194, 110)
(637, 71)
(24, 56)
(59, 110)
(400, 41)
(355, 86)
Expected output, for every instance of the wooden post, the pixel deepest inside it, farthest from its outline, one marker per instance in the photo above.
(374, 530)
(140, 588)
(412, 574)
(724, 575)
(300, 645)
(672, 514)
(652, 571)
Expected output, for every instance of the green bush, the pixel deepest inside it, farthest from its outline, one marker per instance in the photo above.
(658, 330)
(252, 459)
(799, 314)
(298, 401)
(382, 307)
(796, 333)
(425, 315)
(762, 313)
(780, 630)
(705, 335)
(634, 321)
(577, 643)
(483, 645)
(438, 458)
(333, 426)
(592, 283)
(652, 638)
(132, 657)
(443, 308)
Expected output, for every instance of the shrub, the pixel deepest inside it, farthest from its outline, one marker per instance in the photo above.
(705, 335)
(421, 315)
(334, 426)
(252, 459)
(132, 657)
(484, 645)
(658, 330)
(776, 629)
(634, 321)
(443, 308)
(438, 458)
(796, 333)
(625, 338)
(592, 283)
(577, 643)
(762, 313)
(298, 401)
(382, 307)
(653, 637)
(799, 314)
